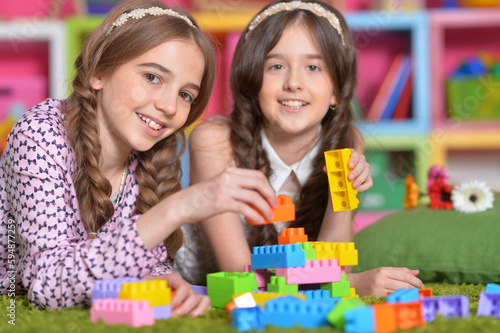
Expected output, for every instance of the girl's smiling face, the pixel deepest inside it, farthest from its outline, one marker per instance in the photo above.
(297, 89)
(150, 97)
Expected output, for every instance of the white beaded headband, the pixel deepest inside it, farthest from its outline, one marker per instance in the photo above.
(298, 5)
(140, 13)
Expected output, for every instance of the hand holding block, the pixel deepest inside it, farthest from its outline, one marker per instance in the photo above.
(283, 213)
(343, 194)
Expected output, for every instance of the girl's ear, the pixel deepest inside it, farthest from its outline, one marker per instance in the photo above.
(96, 83)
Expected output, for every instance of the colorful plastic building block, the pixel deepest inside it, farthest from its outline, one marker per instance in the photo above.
(336, 316)
(409, 315)
(289, 311)
(359, 320)
(338, 289)
(222, 286)
(245, 300)
(343, 194)
(109, 288)
(319, 295)
(155, 291)
(403, 296)
(352, 294)
(345, 253)
(492, 288)
(283, 213)
(199, 290)
(119, 311)
(278, 285)
(262, 297)
(162, 311)
(385, 317)
(309, 251)
(447, 306)
(292, 236)
(246, 319)
(425, 292)
(314, 271)
(261, 275)
(278, 256)
(489, 305)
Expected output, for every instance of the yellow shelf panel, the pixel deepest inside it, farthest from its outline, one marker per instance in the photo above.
(216, 22)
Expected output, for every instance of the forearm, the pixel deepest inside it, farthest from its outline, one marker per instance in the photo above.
(336, 226)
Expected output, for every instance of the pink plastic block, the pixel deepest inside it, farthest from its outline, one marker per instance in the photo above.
(315, 271)
(261, 275)
(119, 311)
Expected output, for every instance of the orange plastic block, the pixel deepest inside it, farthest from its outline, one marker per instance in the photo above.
(385, 317)
(155, 291)
(292, 236)
(425, 292)
(409, 315)
(343, 194)
(283, 213)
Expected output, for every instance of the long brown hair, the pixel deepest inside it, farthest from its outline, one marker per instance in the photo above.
(246, 119)
(158, 172)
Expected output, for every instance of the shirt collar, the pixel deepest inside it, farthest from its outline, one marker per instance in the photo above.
(281, 171)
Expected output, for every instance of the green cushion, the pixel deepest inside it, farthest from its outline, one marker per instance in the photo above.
(446, 246)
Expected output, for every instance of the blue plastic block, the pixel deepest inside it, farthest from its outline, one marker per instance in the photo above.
(162, 311)
(278, 256)
(246, 319)
(403, 296)
(289, 311)
(320, 295)
(109, 288)
(359, 320)
(489, 304)
(492, 288)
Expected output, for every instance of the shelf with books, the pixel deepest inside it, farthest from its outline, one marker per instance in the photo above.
(456, 36)
(382, 40)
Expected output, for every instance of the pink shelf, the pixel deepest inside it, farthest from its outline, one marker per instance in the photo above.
(364, 219)
(455, 36)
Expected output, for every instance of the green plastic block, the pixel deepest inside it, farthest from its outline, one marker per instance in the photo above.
(336, 316)
(340, 288)
(222, 286)
(278, 285)
(310, 252)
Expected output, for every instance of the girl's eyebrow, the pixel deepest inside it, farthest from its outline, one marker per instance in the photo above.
(168, 73)
(281, 56)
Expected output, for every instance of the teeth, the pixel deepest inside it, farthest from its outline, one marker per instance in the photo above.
(293, 104)
(151, 123)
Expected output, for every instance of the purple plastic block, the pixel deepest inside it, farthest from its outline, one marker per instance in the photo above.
(489, 304)
(199, 290)
(120, 311)
(109, 288)
(447, 306)
(261, 275)
(162, 312)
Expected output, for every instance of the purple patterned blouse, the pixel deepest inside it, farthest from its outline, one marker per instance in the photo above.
(44, 250)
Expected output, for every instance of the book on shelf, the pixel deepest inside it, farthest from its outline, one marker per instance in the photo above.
(400, 83)
(402, 110)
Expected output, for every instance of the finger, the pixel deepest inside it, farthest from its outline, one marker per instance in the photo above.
(249, 203)
(364, 181)
(187, 305)
(354, 158)
(202, 307)
(405, 278)
(356, 172)
(254, 180)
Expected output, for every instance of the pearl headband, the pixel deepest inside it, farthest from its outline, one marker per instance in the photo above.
(140, 13)
(298, 5)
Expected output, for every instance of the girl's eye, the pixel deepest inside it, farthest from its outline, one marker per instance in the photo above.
(277, 67)
(186, 96)
(313, 68)
(152, 78)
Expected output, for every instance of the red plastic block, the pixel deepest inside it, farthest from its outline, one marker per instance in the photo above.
(425, 292)
(409, 315)
(315, 271)
(385, 317)
(283, 213)
(119, 311)
(292, 236)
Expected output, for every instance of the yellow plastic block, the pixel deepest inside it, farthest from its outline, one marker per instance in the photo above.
(343, 194)
(353, 294)
(155, 291)
(344, 252)
(262, 298)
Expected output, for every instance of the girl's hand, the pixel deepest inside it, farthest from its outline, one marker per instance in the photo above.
(360, 171)
(185, 301)
(237, 190)
(381, 280)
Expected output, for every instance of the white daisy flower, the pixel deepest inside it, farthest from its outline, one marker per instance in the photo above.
(472, 197)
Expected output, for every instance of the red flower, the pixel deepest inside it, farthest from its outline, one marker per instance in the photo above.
(440, 194)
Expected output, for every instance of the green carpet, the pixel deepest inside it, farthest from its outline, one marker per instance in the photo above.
(78, 320)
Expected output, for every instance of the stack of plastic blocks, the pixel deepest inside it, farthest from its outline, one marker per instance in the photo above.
(404, 309)
(489, 301)
(130, 301)
(283, 268)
